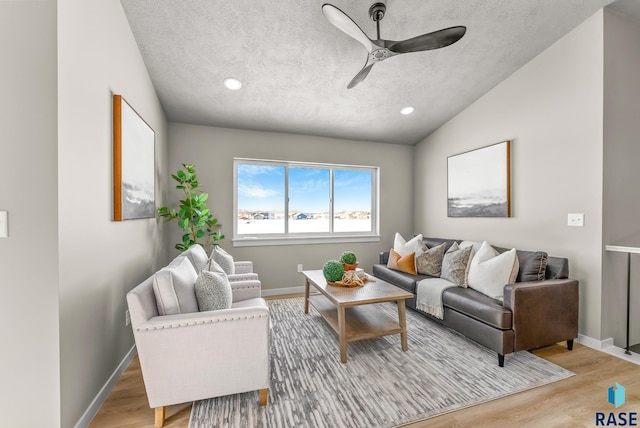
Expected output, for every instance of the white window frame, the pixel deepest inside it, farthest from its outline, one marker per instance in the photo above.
(287, 238)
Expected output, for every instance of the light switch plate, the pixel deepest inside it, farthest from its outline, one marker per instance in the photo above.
(575, 219)
(4, 224)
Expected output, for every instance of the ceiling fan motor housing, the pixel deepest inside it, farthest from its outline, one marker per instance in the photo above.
(376, 11)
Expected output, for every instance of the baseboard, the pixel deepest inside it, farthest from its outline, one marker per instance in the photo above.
(282, 291)
(595, 343)
(607, 346)
(97, 402)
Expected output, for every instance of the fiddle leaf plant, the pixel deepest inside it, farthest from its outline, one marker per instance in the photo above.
(194, 218)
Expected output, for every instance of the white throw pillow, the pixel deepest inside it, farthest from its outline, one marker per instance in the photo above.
(404, 248)
(224, 259)
(213, 291)
(490, 272)
(173, 288)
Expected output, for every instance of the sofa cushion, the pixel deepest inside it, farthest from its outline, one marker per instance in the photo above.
(173, 287)
(434, 242)
(224, 259)
(476, 305)
(533, 265)
(397, 278)
(213, 291)
(212, 266)
(197, 256)
(429, 260)
(557, 268)
(404, 247)
(490, 271)
(455, 265)
(405, 263)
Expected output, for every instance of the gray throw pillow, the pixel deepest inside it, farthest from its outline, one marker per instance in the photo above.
(533, 265)
(429, 260)
(455, 265)
(224, 259)
(213, 291)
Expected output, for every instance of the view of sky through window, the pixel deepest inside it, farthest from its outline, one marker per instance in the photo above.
(263, 191)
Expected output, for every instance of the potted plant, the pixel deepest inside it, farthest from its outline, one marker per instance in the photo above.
(349, 260)
(333, 271)
(194, 218)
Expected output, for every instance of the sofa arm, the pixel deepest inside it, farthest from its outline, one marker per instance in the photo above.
(243, 277)
(243, 290)
(244, 267)
(202, 318)
(544, 312)
(384, 257)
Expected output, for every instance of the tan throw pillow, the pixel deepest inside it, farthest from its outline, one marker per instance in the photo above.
(429, 260)
(454, 265)
(405, 264)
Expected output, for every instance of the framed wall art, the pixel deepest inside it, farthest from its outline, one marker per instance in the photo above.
(479, 182)
(133, 164)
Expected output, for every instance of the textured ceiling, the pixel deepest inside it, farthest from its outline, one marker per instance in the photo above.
(295, 66)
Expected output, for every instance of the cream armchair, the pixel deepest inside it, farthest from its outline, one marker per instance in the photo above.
(198, 355)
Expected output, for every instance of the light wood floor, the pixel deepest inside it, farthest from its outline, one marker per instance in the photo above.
(571, 402)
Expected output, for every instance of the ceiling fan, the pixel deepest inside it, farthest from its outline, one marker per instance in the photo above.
(380, 49)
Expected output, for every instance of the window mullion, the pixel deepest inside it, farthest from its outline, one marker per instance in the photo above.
(286, 200)
(331, 210)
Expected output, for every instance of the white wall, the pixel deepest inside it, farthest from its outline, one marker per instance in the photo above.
(29, 355)
(212, 151)
(551, 109)
(621, 202)
(100, 260)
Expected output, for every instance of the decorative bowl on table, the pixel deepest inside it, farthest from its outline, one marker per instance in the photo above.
(350, 280)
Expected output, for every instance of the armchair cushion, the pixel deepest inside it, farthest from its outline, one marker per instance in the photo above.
(197, 256)
(173, 287)
(224, 259)
(213, 291)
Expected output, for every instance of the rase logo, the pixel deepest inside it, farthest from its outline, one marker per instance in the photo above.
(616, 397)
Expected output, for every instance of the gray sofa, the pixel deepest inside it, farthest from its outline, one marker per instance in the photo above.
(535, 312)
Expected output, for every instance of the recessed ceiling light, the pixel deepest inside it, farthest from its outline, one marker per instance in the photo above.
(232, 83)
(407, 110)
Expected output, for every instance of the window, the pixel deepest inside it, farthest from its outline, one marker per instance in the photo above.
(280, 202)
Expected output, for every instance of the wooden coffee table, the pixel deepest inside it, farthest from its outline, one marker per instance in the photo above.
(351, 312)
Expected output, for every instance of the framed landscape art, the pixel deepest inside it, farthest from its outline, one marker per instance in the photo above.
(479, 182)
(133, 164)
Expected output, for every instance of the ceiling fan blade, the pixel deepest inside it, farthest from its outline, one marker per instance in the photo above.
(362, 74)
(342, 21)
(435, 40)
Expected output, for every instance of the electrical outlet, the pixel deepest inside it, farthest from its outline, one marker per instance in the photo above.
(127, 318)
(299, 268)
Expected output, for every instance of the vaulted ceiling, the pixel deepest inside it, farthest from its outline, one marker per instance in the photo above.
(295, 65)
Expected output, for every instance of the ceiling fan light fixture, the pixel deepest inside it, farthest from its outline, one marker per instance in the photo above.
(232, 84)
(406, 110)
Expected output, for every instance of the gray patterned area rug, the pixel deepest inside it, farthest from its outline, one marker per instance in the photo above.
(379, 386)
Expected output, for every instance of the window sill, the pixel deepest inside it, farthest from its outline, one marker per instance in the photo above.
(303, 240)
